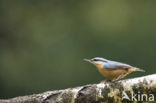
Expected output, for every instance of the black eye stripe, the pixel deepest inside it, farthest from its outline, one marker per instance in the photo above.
(95, 60)
(99, 60)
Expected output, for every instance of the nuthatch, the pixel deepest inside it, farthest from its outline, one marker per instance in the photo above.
(112, 69)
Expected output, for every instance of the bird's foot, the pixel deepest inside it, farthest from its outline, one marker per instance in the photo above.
(115, 80)
(104, 81)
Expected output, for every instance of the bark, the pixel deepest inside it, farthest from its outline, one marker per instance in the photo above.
(139, 90)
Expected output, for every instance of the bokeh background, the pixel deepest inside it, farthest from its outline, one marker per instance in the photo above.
(43, 42)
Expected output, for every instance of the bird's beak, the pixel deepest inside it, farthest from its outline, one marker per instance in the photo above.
(88, 60)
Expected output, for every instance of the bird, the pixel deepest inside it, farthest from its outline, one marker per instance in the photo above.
(113, 69)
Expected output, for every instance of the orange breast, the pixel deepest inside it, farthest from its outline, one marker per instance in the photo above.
(111, 73)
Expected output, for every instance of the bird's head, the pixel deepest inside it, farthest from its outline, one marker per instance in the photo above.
(97, 61)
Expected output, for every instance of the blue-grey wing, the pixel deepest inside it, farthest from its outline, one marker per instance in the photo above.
(116, 65)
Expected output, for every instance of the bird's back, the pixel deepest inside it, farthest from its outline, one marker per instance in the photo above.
(115, 65)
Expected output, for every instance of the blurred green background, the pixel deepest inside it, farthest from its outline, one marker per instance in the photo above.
(43, 42)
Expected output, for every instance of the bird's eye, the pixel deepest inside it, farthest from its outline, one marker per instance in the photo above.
(95, 60)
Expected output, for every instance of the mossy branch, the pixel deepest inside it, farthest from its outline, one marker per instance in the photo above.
(142, 89)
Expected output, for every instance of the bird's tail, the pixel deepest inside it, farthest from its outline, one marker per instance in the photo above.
(141, 70)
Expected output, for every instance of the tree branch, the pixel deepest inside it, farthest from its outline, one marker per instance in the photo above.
(136, 89)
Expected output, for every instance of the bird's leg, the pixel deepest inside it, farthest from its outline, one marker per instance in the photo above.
(124, 75)
(119, 77)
